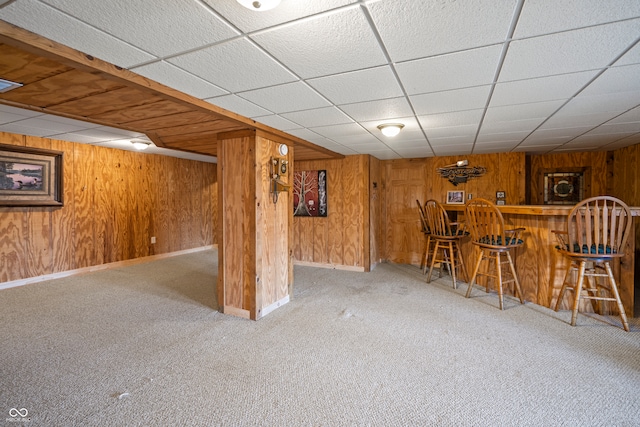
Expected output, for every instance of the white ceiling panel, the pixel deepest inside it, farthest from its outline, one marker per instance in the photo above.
(278, 122)
(70, 31)
(329, 44)
(437, 27)
(383, 109)
(540, 89)
(286, 98)
(568, 52)
(318, 117)
(290, 10)
(540, 17)
(234, 66)
(451, 100)
(174, 77)
(329, 72)
(450, 71)
(161, 28)
(359, 86)
(239, 106)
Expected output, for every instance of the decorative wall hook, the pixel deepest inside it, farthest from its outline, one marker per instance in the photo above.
(457, 173)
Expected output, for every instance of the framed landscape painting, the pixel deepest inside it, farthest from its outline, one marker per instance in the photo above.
(30, 176)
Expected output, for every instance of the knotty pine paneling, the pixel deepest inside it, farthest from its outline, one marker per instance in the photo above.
(339, 239)
(114, 202)
(409, 179)
(595, 185)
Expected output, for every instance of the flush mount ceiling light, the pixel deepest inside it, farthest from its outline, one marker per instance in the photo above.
(259, 6)
(140, 145)
(390, 129)
(7, 85)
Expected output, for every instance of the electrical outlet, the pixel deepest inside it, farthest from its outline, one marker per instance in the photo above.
(153, 240)
(469, 196)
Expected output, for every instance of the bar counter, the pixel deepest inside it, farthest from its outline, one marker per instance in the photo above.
(539, 266)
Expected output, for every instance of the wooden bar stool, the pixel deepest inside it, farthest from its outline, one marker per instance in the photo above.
(429, 243)
(486, 224)
(597, 230)
(447, 236)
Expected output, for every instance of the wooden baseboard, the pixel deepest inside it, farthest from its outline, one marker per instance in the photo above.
(332, 266)
(85, 270)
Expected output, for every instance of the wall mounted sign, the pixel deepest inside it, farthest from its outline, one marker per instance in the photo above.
(310, 193)
(457, 175)
(30, 176)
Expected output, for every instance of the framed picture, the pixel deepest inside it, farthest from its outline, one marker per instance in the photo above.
(455, 197)
(500, 202)
(500, 194)
(310, 193)
(30, 176)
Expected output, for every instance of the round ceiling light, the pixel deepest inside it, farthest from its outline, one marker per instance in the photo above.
(140, 145)
(259, 6)
(390, 129)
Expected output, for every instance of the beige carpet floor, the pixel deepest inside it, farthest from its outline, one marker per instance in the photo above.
(144, 346)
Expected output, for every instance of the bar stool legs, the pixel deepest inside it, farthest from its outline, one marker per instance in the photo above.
(496, 257)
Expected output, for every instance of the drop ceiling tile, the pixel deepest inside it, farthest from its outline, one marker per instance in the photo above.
(239, 106)
(248, 20)
(450, 71)
(537, 17)
(615, 79)
(160, 28)
(339, 131)
(51, 125)
(586, 121)
(414, 29)
(286, 98)
(368, 147)
(522, 111)
(567, 52)
(20, 112)
(631, 57)
(451, 100)
(278, 122)
(611, 128)
(603, 104)
(84, 139)
(358, 86)
(318, 117)
(631, 116)
(452, 150)
(597, 140)
(24, 130)
(48, 22)
(466, 141)
(564, 133)
(378, 110)
(328, 44)
(416, 143)
(536, 141)
(515, 137)
(234, 66)
(174, 77)
(540, 89)
(526, 125)
(467, 131)
(454, 119)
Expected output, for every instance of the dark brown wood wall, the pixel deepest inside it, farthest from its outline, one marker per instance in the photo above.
(114, 202)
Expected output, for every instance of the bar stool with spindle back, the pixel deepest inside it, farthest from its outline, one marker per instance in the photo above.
(597, 230)
(486, 224)
(447, 236)
(428, 249)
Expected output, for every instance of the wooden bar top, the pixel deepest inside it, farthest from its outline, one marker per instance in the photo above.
(542, 210)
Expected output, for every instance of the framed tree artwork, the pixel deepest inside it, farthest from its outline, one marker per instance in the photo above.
(310, 193)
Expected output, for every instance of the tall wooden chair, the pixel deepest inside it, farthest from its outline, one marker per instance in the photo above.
(447, 236)
(486, 224)
(597, 230)
(426, 255)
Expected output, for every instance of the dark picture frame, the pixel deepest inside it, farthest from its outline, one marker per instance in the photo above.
(30, 176)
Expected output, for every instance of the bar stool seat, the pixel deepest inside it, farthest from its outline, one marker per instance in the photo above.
(447, 236)
(597, 230)
(488, 233)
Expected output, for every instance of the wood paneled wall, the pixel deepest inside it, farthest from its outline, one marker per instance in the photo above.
(342, 238)
(409, 180)
(599, 174)
(114, 202)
